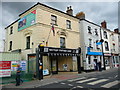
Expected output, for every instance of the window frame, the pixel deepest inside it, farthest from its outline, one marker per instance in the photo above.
(89, 30)
(10, 45)
(62, 44)
(53, 19)
(28, 42)
(105, 35)
(90, 42)
(11, 30)
(106, 46)
(68, 24)
(96, 32)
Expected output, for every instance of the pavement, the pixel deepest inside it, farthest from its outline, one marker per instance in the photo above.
(61, 76)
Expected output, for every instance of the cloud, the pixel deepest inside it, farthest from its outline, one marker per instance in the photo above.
(95, 11)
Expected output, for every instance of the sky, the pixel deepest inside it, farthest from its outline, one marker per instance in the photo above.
(94, 11)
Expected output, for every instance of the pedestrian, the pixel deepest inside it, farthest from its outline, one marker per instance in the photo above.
(94, 63)
(18, 74)
(100, 69)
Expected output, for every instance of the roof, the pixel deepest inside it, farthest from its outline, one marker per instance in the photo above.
(42, 5)
(95, 24)
(47, 7)
(12, 23)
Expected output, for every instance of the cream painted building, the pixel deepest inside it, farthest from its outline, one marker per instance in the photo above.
(34, 26)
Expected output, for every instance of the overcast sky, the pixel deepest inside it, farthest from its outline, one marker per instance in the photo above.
(94, 11)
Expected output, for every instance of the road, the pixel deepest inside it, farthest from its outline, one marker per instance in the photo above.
(108, 79)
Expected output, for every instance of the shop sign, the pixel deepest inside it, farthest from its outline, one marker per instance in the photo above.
(23, 65)
(60, 50)
(107, 54)
(5, 68)
(14, 65)
(45, 72)
(27, 20)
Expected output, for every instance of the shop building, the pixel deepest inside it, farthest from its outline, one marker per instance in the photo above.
(89, 37)
(50, 27)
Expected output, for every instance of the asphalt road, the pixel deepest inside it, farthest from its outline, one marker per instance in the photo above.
(108, 79)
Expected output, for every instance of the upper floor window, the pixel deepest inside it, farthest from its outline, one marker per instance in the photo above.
(68, 24)
(105, 35)
(113, 47)
(90, 42)
(106, 46)
(11, 30)
(62, 42)
(53, 20)
(96, 32)
(89, 30)
(97, 45)
(28, 42)
(10, 47)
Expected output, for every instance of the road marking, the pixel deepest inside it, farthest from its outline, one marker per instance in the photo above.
(79, 87)
(98, 81)
(70, 84)
(116, 76)
(86, 80)
(56, 82)
(63, 83)
(108, 85)
(76, 79)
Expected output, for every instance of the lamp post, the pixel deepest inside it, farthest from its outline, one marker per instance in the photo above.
(102, 49)
(39, 64)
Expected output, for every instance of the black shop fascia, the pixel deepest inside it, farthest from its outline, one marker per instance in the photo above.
(52, 51)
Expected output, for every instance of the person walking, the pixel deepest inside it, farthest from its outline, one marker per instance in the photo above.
(18, 73)
(100, 69)
(95, 65)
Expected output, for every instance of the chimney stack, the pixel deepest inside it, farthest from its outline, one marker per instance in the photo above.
(104, 24)
(69, 11)
(116, 30)
(80, 15)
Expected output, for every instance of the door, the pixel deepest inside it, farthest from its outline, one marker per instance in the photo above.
(54, 65)
(32, 63)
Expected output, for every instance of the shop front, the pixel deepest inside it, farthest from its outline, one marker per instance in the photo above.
(108, 60)
(58, 60)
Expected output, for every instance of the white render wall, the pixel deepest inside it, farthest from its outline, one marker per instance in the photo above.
(84, 38)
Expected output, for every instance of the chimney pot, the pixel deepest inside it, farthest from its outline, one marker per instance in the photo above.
(67, 8)
(69, 11)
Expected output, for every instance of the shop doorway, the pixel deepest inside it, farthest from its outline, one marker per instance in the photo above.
(54, 64)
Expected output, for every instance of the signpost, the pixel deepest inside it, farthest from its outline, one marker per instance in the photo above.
(5, 68)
